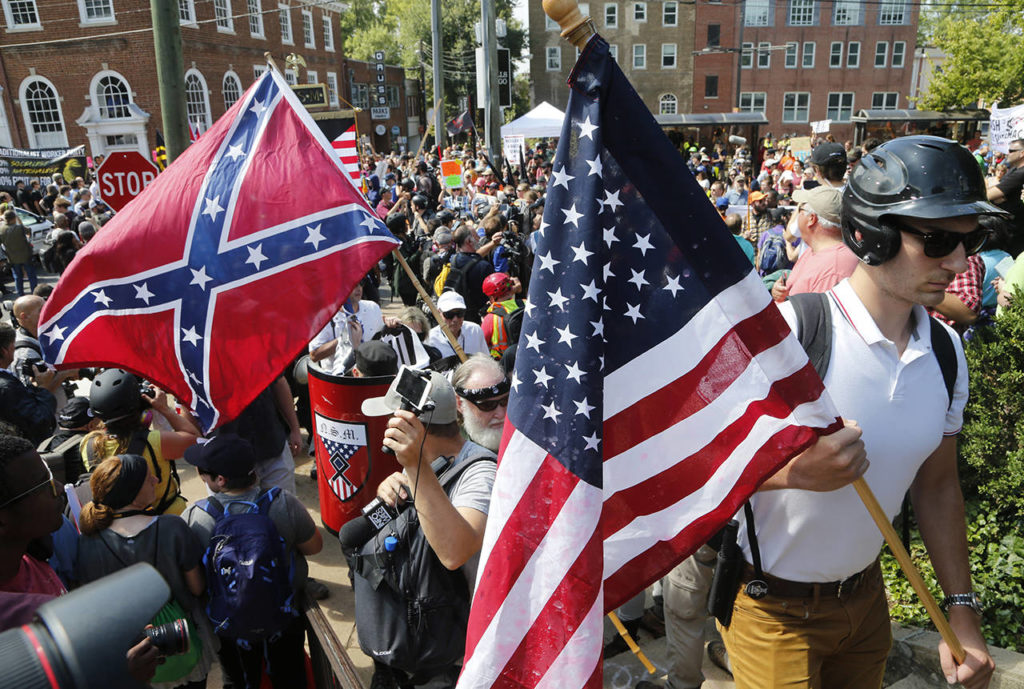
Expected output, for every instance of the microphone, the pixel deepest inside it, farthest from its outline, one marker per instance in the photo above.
(354, 534)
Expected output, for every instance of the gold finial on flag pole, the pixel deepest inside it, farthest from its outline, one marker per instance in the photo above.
(576, 28)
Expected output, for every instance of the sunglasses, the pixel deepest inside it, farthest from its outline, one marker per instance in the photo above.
(491, 405)
(456, 313)
(940, 243)
(55, 489)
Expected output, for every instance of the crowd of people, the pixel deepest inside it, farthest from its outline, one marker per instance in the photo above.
(940, 239)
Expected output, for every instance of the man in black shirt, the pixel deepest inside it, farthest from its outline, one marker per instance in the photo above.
(1007, 194)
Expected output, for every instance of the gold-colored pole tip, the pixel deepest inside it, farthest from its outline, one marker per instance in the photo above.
(576, 28)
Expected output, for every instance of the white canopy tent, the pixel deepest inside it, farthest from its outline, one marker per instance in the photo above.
(544, 120)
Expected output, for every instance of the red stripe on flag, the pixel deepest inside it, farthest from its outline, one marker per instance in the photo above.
(689, 474)
(700, 385)
(520, 536)
(561, 616)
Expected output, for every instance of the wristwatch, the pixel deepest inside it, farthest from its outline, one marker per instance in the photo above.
(972, 600)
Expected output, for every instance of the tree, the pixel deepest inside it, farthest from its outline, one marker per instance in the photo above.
(985, 56)
(401, 28)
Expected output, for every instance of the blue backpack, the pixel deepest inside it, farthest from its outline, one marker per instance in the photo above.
(249, 571)
(773, 254)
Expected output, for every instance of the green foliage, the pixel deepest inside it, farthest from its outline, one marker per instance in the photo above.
(402, 29)
(992, 476)
(985, 55)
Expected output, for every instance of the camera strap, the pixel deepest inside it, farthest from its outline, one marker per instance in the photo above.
(757, 587)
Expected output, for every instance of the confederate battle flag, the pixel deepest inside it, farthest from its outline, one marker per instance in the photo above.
(222, 270)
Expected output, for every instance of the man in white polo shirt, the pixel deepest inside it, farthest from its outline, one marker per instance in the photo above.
(910, 213)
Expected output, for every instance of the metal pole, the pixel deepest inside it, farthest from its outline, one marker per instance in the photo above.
(170, 75)
(492, 111)
(435, 31)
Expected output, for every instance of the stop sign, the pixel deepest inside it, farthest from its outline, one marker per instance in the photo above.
(123, 176)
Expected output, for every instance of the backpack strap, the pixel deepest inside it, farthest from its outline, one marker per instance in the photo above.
(814, 328)
(449, 477)
(945, 353)
(264, 501)
(68, 444)
(211, 507)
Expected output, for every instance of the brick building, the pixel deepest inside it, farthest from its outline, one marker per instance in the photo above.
(798, 61)
(84, 71)
(383, 133)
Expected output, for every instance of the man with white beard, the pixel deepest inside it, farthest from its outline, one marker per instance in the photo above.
(481, 398)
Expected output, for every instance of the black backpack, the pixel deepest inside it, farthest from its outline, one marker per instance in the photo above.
(458, 278)
(411, 610)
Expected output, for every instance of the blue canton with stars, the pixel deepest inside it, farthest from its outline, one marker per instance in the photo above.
(212, 264)
(629, 250)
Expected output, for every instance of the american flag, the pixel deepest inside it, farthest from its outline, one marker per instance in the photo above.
(222, 270)
(347, 149)
(656, 386)
(340, 454)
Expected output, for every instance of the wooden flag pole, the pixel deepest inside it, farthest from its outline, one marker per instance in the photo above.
(578, 30)
(430, 303)
(426, 132)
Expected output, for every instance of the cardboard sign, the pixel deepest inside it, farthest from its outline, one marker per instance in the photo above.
(513, 147)
(1005, 125)
(451, 171)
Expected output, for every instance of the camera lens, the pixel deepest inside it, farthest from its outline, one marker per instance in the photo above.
(170, 639)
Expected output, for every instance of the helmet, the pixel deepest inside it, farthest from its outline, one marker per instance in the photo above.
(923, 177)
(419, 200)
(497, 283)
(114, 394)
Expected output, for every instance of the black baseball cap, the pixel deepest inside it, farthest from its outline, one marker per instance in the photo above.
(75, 413)
(827, 153)
(375, 358)
(227, 454)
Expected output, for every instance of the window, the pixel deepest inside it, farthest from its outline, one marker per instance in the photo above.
(554, 59)
(853, 55)
(791, 53)
(332, 88)
(394, 96)
(231, 88)
(197, 100)
(667, 104)
(21, 14)
(308, 37)
(840, 106)
(291, 76)
(111, 96)
(611, 16)
(41, 108)
(258, 71)
(121, 140)
(714, 35)
(835, 55)
(711, 86)
(328, 22)
(640, 56)
(764, 55)
(670, 13)
(285, 15)
(757, 13)
(668, 55)
(312, 77)
(747, 56)
(96, 11)
(255, 9)
(752, 101)
(550, 24)
(885, 100)
(846, 12)
(613, 52)
(222, 13)
(892, 13)
(796, 106)
(639, 11)
(187, 12)
(899, 53)
(361, 95)
(881, 53)
(808, 57)
(801, 12)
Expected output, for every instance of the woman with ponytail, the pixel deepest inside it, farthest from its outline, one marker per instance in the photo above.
(118, 399)
(120, 528)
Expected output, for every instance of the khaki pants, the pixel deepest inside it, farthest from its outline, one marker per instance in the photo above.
(828, 643)
(686, 609)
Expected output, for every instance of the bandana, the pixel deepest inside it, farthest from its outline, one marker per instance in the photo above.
(480, 394)
(134, 470)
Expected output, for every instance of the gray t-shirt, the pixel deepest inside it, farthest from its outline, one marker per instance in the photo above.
(290, 517)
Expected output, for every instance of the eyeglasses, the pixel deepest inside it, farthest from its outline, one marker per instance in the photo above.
(455, 313)
(55, 489)
(1015, 150)
(940, 243)
(491, 405)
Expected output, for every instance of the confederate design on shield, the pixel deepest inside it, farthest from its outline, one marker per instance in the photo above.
(346, 453)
